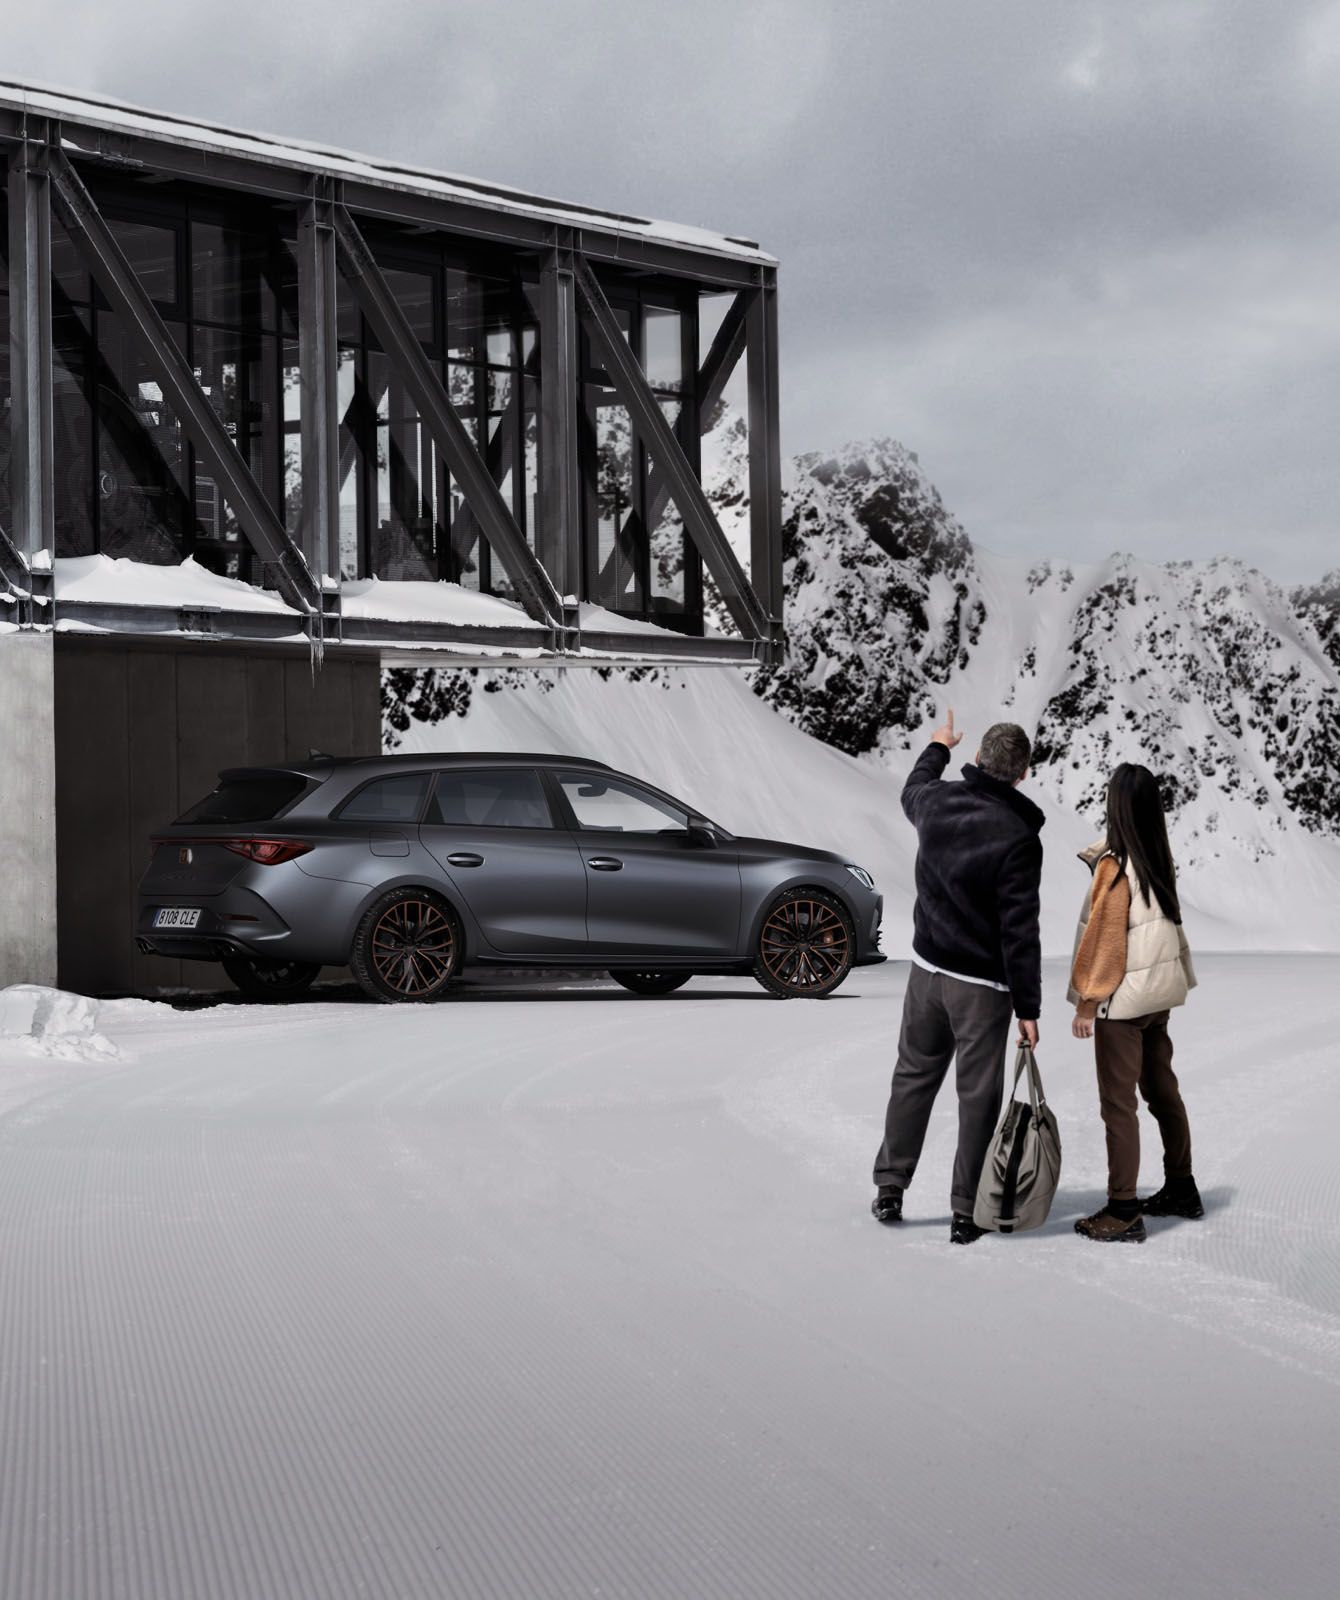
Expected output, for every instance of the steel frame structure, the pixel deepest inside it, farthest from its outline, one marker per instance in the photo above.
(49, 158)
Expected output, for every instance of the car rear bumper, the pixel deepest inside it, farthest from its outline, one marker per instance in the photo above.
(235, 922)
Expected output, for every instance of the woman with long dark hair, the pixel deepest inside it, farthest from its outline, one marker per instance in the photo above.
(1132, 966)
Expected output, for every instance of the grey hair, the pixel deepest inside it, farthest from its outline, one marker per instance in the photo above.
(1005, 752)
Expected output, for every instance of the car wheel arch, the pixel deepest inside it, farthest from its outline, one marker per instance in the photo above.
(471, 938)
(801, 881)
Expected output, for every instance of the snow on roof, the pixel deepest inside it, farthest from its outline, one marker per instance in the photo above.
(395, 600)
(116, 116)
(105, 580)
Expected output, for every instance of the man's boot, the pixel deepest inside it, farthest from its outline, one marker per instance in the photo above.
(887, 1206)
(963, 1230)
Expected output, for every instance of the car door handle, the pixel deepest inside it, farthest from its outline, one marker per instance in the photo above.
(465, 858)
(605, 863)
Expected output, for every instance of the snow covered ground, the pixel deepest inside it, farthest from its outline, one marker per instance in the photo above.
(558, 1292)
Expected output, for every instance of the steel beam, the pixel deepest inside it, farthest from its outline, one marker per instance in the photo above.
(765, 459)
(31, 471)
(467, 466)
(125, 294)
(559, 534)
(658, 439)
(318, 368)
(724, 356)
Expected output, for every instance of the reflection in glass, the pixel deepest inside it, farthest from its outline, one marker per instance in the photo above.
(67, 266)
(405, 540)
(414, 295)
(668, 546)
(228, 369)
(616, 551)
(151, 250)
(143, 508)
(530, 396)
(663, 349)
(228, 282)
(479, 317)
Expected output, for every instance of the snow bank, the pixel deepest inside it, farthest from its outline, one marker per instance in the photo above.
(50, 1022)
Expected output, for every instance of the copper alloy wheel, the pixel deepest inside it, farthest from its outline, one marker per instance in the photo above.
(805, 946)
(412, 948)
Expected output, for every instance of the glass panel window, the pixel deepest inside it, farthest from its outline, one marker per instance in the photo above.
(351, 398)
(143, 507)
(590, 362)
(72, 418)
(479, 317)
(414, 295)
(616, 553)
(669, 549)
(663, 348)
(610, 807)
(530, 395)
(489, 800)
(398, 799)
(151, 249)
(229, 370)
(68, 272)
(228, 281)
(405, 538)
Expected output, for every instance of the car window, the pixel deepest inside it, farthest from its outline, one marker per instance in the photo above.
(608, 806)
(398, 799)
(252, 799)
(489, 800)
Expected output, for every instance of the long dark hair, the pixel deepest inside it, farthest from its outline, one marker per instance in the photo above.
(1138, 833)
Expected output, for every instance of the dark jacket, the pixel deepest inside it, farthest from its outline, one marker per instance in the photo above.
(979, 865)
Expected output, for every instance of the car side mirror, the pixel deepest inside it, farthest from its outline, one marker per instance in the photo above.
(701, 834)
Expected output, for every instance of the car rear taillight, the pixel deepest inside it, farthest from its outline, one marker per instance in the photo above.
(268, 852)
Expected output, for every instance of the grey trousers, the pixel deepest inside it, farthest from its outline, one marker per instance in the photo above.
(942, 1018)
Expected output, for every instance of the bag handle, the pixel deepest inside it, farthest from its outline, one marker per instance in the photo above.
(1036, 1094)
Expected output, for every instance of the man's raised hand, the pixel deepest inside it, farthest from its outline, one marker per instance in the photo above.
(945, 734)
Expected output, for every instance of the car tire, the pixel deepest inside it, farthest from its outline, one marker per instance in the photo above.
(270, 980)
(408, 947)
(805, 945)
(650, 983)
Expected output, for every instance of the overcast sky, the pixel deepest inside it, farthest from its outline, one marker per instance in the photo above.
(1083, 256)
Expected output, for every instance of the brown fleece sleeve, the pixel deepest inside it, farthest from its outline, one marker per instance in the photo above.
(1100, 961)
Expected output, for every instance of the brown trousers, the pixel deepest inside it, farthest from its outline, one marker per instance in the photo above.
(1131, 1056)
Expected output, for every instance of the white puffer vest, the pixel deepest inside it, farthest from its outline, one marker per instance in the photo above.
(1159, 973)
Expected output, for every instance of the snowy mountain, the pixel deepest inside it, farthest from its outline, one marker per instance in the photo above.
(1208, 672)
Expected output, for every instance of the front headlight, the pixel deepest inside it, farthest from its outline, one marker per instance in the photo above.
(861, 875)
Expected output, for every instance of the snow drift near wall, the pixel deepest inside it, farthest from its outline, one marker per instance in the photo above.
(704, 735)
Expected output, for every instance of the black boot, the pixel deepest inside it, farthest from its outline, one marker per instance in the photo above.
(1179, 1197)
(963, 1230)
(887, 1206)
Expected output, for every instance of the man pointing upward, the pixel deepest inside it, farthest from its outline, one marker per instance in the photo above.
(976, 957)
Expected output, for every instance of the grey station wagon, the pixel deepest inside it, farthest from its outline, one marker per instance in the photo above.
(405, 868)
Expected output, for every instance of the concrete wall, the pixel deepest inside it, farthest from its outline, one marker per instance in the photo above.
(27, 810)
(143, 728)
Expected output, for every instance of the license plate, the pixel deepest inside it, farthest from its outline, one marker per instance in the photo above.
(177, 917)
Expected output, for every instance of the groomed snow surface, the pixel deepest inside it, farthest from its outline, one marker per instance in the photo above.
(557, 1292)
